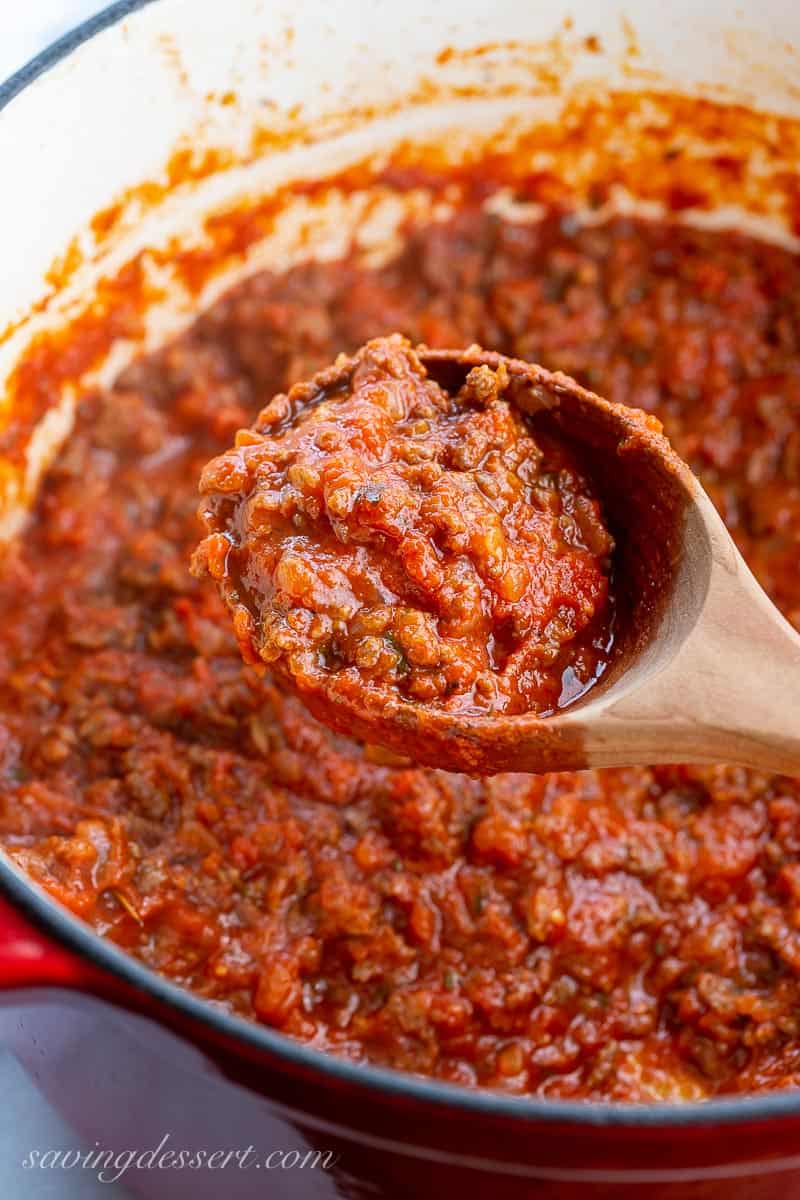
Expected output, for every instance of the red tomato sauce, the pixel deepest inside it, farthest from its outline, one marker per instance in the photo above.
(375, 533)
(626, 935)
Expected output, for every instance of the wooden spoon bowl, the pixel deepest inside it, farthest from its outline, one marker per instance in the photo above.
(705, 668)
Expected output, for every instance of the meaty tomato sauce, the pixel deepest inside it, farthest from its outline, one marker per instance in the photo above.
(621, 934)
(374, 533)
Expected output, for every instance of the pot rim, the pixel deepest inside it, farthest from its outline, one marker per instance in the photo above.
(47, 915)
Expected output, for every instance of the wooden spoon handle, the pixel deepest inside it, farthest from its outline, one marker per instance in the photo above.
(740, 704)
(731, 693)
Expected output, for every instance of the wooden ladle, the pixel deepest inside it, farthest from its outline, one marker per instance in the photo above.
(705, 670)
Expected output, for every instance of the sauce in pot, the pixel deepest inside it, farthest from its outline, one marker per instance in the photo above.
(625, 935)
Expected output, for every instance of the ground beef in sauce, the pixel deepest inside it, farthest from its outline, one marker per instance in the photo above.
(619, 934)
(373, 533)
